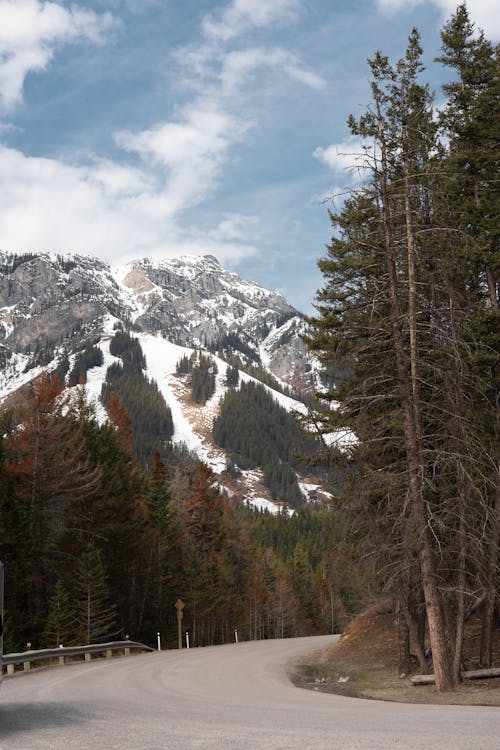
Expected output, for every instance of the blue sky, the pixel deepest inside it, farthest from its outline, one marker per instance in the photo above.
(132, 128)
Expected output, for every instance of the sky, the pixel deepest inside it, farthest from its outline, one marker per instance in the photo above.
(158, 128)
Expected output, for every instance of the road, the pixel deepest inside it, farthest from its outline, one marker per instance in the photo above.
(234, 697)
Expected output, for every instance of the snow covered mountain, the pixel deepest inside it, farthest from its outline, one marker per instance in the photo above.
(52, 306)
(48, 301)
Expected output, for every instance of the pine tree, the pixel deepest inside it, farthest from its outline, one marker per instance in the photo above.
(470, 121)
(49, 466)
(158, 501)
(61, 623)
(96, 611)
(386, 307)
(116, 514)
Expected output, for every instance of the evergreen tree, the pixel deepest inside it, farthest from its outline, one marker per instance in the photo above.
(203, 379)
(259, 432)
(232, 376)
(61, 623)
(91, 356)
(150, 418)
(184, 365)
(385, 306)
(470, 121)
(49, 466)
(96, 612)
(302, 580)
(116, 514)
(161, 566)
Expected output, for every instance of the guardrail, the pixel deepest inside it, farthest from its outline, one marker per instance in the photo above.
(60, 654)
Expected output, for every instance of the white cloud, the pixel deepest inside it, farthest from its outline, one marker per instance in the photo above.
(29, 32)
(352, 155)
(192, 150)
(103, 208)
(239, 64)
(242, 15)
(106, 207)
(484, 13)
(233, 227)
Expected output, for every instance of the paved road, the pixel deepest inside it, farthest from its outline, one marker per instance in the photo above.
(234, 697)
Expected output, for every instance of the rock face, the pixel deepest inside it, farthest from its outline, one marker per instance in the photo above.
(51, 304)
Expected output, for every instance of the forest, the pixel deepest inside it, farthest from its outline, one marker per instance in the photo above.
(410, 305)
(257, 432)
(97, 546)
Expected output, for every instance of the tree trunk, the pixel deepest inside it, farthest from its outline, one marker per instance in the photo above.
(433, 604)
(460, 583)
(485, 649)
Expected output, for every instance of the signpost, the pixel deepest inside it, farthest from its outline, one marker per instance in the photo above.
(179, 605)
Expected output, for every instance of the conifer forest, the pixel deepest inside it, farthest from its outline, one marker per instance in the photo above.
(104, 525)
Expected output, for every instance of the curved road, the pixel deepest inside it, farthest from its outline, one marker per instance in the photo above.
(234, 697)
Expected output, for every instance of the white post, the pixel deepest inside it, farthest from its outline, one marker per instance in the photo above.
(187, 639)
(236, 636)
(159, 641)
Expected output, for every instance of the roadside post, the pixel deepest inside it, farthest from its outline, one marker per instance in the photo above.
(179, 605)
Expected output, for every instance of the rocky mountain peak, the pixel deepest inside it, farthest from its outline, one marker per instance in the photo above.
(51, 304)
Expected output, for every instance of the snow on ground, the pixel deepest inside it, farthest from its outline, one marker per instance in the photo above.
(162, 357)
(96, 377)
(6, 319)
(192, 422)
(13, 376)
(253, 479)
(265, 358)
(311, 491)
(259, 503)
(341, 439)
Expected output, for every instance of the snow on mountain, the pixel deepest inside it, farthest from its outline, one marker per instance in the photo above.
(51, 306)
(191, 301)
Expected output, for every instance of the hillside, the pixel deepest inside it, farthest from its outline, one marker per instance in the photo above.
(60, 315)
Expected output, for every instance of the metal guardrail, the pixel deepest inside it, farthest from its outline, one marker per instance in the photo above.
(48, 654)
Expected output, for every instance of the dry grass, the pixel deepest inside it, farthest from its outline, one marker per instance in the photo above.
(365, 664)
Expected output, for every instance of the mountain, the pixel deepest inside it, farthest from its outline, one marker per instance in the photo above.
(55, 308)
(49, 300)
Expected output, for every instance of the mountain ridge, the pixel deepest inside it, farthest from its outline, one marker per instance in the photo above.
(192, 301)
(52, 306)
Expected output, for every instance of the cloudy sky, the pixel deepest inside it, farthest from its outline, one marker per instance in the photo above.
(133, 128)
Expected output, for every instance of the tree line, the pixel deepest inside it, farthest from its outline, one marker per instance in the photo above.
(202, 372)
(259, 432)
(410, 308)
(95, 546)
(128, 394)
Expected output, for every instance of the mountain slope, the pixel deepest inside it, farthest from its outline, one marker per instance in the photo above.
(47, 300)
(52, 307)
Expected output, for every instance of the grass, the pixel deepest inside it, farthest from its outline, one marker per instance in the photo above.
(364, 664)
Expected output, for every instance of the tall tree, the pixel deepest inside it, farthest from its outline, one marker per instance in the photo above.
(392, 305)
(470, 122)
(49, 465)
(96, 611)
(61, 623)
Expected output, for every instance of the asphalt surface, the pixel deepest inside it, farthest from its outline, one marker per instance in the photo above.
(234, 697)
